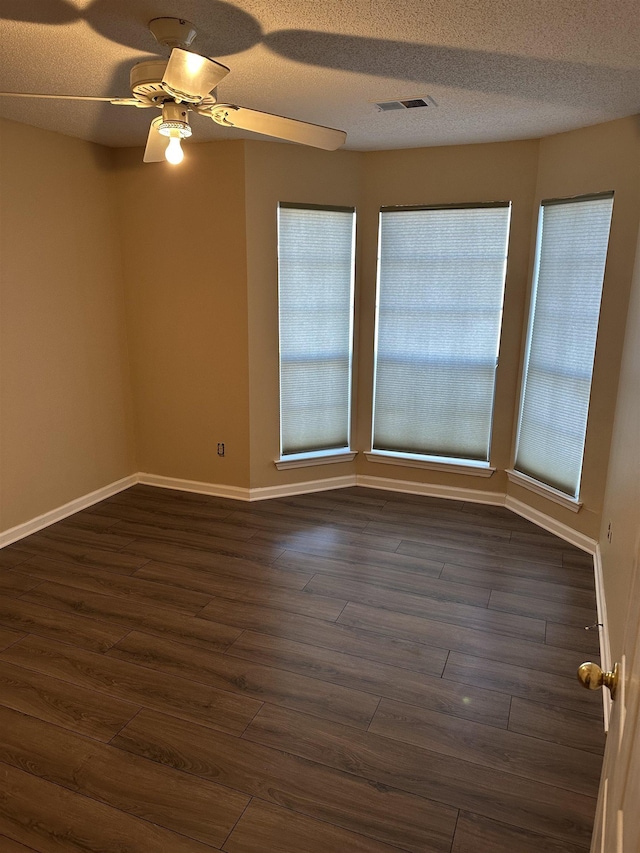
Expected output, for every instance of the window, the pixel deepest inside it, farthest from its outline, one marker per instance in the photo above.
(441, 274)
(316, 280)
(565, 307)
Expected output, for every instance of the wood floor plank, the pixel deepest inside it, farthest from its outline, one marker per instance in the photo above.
(132, 588)
(340, 638)
(136, 684)
(576, 557)
(570, 637)
(456, 638)
(227, 527)
(418, 514)
(197, 577)
(177, 537)
(105, 540)
(52, 819)
(290, 520)
(558, 585)
(38, 544)
(538, 536)
(433, 588)
(8, 637)
(144, 508)
(440, 606)
(540, 608)
(75, 708)
(521, 802)
(562, 691)
(378, 679)
(552, 764)
(350, 553)
(439, 543)
(548, 722)
(24, 617)
(475, 833)
(255, 681)
(150, 618)
(10, 557)
(383, 813)
(199, 809)
(7, 845)
(252, 591)
(14, 584)
(435, 530)
(88, 519)
(327, 540)
(195, 557)
(88, 558)
(267, 827)
(387, 569)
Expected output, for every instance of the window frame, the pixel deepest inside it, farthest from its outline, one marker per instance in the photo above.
(456, 465)
(521, 478)
(325, 455)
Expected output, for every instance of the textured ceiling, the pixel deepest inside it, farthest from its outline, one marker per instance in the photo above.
(496, 69)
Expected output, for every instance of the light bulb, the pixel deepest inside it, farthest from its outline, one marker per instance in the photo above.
(174, 153)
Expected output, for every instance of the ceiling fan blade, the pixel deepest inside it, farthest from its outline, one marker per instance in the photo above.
(282, 128)
(190, 77)
(156, 143)
(59, 97)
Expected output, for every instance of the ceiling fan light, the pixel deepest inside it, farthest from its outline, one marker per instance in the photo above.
(174, 153)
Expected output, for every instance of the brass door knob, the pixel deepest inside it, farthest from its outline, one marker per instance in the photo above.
(592, 677)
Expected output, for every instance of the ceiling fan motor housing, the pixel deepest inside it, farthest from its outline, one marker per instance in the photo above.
(146, 81)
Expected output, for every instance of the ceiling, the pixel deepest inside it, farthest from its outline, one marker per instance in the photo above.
(495, 69)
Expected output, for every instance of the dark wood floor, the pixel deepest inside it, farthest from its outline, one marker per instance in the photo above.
(355, 671)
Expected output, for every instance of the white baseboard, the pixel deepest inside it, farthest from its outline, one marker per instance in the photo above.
(291, 489)
(603, 632)
(216, 490)
(580, 540)
(431, 490)
(242, 494)
(48, 518)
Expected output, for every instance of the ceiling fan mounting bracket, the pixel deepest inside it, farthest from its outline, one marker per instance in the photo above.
(173, 32)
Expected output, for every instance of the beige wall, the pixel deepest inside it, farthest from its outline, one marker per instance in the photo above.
(597, 159)
(622, 495)
(65, 407)
(182, 231)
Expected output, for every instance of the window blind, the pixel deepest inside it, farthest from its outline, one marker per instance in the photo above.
(441, 279)
(565, 307)
(315, 275)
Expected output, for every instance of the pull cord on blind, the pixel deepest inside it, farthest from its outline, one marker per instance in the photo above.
(315, 279)
(441, 275)
(573, 236)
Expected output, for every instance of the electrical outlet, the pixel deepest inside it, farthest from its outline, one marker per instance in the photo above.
(220, 448)
(609, 533)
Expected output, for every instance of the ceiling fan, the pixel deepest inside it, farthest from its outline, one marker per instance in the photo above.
(186, 83)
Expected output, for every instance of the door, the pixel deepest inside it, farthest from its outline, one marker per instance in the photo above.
(617, 825)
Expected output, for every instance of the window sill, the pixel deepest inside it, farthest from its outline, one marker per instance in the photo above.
(546, 491)
(322, 457)
(449, 466)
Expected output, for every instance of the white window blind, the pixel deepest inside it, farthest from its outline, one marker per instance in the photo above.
(441, 279)
(565, 306)
(315, 275)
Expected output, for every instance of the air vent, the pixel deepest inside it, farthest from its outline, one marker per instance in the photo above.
(405, 104)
